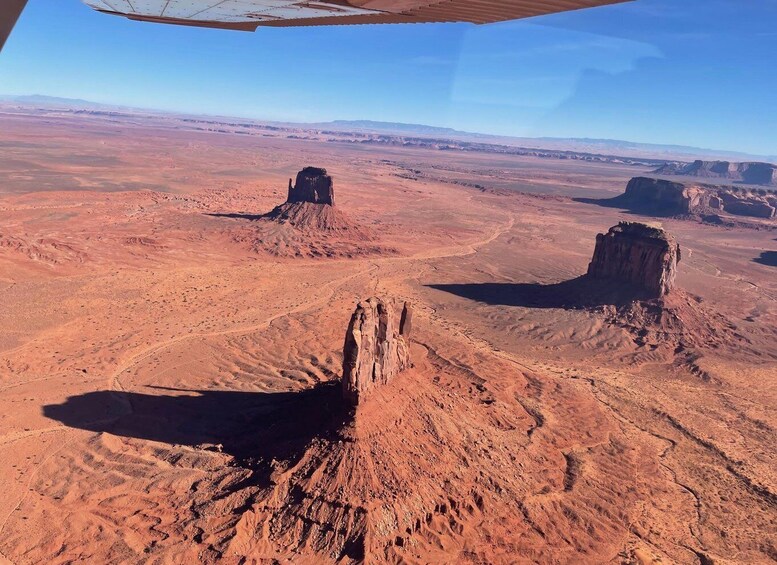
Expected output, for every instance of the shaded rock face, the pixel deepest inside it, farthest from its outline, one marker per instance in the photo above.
(376, 348)
(750, 172)
(665, 197)
(313, 185)
(310, 206)
(639, 255)
(669, 198)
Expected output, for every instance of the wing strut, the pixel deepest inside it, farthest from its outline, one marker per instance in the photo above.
(10, 10)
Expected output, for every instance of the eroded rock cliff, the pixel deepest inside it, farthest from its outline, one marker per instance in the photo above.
(639, 255)
(313, 185)
(749, 172)
(376, 348)
(667, 198)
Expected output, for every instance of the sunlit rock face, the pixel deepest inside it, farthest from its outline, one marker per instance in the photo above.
(637, 254)
(376, 348)
(753, 172)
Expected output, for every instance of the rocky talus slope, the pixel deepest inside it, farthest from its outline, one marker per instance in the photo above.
(634, 266)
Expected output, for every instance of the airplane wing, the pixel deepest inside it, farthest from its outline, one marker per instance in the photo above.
(247, 15)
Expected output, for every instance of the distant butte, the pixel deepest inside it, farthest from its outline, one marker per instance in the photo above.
(310, 204)
(313, 185)
(749, 172)
(666, 198)
(638, 255)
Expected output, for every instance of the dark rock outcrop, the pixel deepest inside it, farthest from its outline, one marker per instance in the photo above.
(313, 185)
(376, 348)
(310, 205)
(639, 255)
(667, 198)
(749, 173)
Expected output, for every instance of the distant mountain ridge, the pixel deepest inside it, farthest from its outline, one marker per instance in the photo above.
(42, 101)
(582, 144)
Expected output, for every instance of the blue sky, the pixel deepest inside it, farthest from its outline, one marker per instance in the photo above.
(691, 72)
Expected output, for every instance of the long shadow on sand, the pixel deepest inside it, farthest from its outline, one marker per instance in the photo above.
(575, 294)
(627, 207)
(238, 216)
(254, 427)
(768, 258)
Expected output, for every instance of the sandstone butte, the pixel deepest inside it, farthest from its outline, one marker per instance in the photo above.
(313, 185)
(376, 348)
(753, 172)
(639, 255)
(310, 205)
(665, 197)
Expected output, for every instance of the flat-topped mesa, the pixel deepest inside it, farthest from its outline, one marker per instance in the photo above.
(639, 255)
(667, 198)
(753, 172)
(376, 348)
(313, 185)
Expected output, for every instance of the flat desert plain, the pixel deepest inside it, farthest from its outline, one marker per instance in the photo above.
(170, 358)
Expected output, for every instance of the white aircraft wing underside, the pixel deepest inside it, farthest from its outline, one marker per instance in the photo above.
(227, 11)
(249, 14)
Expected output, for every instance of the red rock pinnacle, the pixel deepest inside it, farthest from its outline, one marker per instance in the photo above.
(376, 348)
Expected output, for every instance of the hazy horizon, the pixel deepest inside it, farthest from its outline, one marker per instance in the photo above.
(685, 152)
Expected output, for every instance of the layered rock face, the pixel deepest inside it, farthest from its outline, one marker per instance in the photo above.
(665, 197)
(756, 207)
(750, 173)
(313, 185)
(376, 348)
(638, 255)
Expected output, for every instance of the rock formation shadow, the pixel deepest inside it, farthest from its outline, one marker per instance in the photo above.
(626, 207)
(238, 216)
(253, 427)
(768, 258)
(576, 294)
